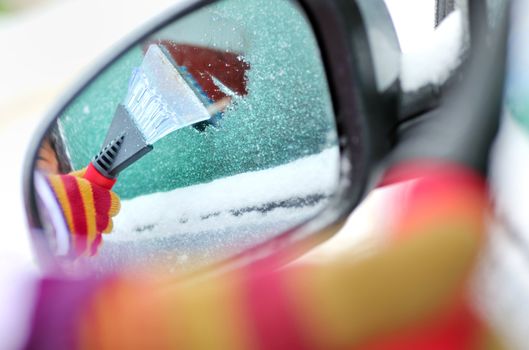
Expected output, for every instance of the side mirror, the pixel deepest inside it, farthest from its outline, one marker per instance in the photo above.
(217, 129)
(235, 129)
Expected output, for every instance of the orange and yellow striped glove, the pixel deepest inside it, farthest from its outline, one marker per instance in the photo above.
(88, 210)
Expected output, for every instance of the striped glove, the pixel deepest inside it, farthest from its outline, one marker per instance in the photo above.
(88, 210)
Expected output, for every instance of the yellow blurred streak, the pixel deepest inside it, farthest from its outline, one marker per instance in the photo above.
(398, 285)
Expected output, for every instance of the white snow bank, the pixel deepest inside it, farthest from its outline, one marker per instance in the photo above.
(433, 62)
(233, 201)
(199, 224)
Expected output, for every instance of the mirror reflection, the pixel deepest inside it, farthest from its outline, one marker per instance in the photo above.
(213, 135)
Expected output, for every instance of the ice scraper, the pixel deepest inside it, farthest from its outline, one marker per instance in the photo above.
(161, 99)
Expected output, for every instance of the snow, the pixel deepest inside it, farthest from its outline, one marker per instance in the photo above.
(413, 20)
(435, 60)
(224, 216)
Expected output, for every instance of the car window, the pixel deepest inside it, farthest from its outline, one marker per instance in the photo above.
(266, 62)
(266, 161)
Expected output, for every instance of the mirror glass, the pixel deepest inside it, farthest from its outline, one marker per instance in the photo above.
(223, 135)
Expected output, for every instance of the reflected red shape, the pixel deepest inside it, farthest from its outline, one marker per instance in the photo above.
(203, 63)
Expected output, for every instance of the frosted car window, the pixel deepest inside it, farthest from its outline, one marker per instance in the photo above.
(266, 160)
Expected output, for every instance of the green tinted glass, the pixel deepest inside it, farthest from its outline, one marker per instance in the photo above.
(265, 159)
